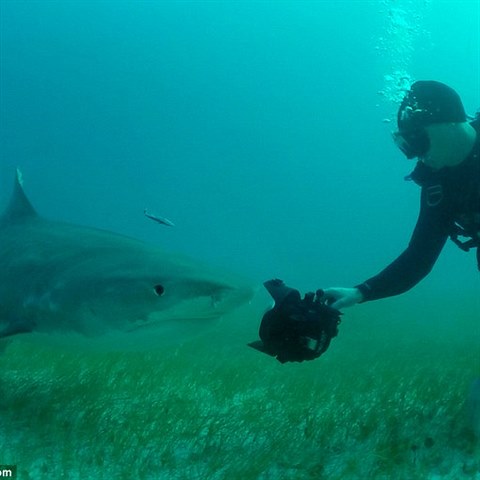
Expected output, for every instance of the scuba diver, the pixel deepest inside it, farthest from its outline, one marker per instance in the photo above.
(432, 127)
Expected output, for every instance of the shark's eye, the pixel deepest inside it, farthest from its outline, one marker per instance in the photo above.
(159, 290)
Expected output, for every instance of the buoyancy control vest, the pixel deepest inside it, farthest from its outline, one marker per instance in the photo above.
(459, 188)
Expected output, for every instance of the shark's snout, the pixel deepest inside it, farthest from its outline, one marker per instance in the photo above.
(220, 295)
(200, 297)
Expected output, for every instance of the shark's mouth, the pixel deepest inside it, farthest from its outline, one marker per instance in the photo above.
(197, 311)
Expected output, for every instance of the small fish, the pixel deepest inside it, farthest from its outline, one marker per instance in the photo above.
(161, 220)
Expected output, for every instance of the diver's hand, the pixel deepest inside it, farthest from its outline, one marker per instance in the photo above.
(342, 297)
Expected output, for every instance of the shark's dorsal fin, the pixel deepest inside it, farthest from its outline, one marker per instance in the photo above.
(20, 208)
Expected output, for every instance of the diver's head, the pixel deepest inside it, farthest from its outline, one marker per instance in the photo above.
(426, 104)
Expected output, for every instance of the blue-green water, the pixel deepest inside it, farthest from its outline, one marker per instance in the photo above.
(262, 130)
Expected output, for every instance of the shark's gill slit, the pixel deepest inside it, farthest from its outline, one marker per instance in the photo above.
(159, 290)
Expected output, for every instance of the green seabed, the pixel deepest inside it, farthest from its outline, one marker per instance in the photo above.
(386, 401)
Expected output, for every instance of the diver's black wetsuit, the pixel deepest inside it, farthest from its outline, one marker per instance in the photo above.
(450, 195)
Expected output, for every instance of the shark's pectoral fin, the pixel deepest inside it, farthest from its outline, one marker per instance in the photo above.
(16, 327)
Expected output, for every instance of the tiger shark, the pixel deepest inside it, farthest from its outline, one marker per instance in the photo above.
(68, 282)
